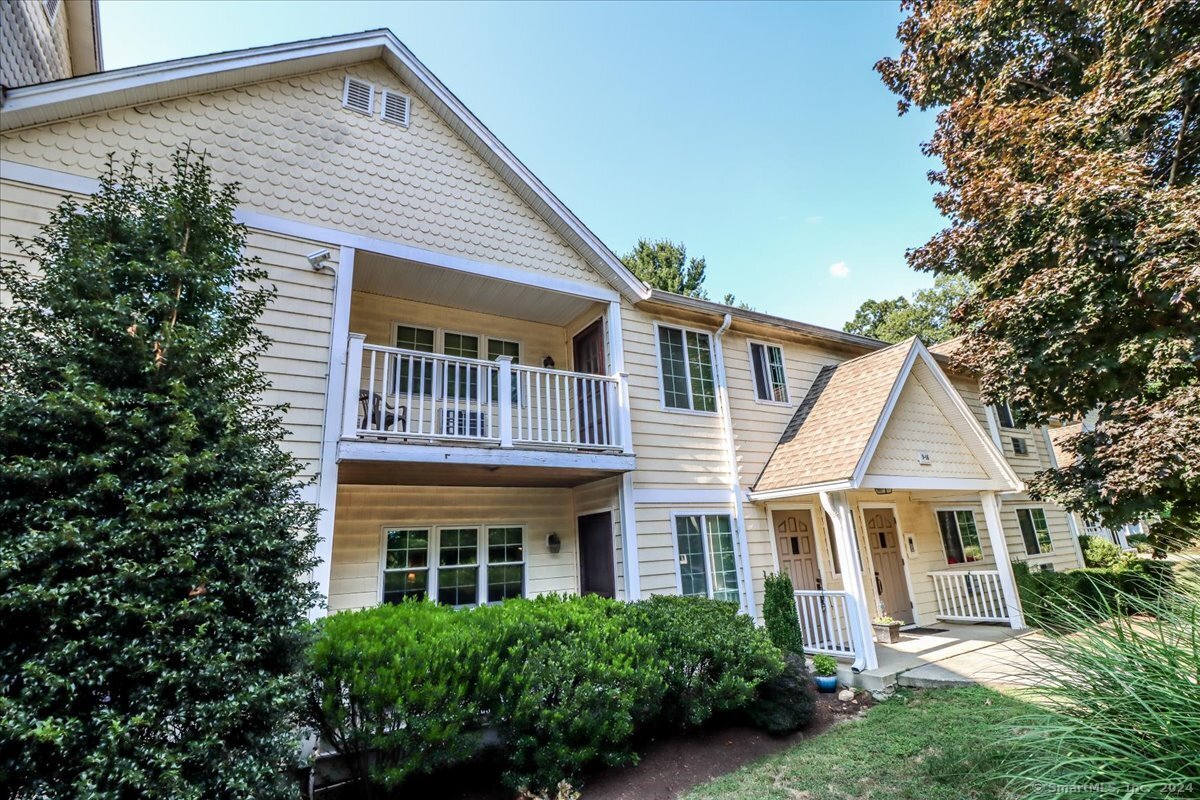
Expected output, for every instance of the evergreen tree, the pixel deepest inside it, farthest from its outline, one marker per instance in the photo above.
(665, 265)
(154, 552)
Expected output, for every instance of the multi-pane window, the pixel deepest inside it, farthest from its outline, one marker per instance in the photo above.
(497, 348)
(406, 564)
(707, 558)
(687, 369)
(409, 337)
(770, 382)
(960, 536)
(461, 379)
(461, 568)
(1004, 412)
(1035, 531)
(505, 563)
(458, 566)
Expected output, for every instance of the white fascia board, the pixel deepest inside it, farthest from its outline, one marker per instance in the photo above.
(76, 184)
(44, 103)
(353, 450)
(800, 491)
(912, 482)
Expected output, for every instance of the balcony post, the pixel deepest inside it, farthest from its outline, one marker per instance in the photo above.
(504, 400)
(354, 361)
(625, 428)
(1008, 581)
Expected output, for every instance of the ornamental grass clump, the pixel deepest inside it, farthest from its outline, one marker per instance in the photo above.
(1119, 704)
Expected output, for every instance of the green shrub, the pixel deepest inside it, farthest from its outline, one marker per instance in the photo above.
(1099, 552)
(574, 681)
(786, 702)
(399, 688)
(779, 614)
(1061, 599)
(714, 657)
(1117, 708)
(825, 665)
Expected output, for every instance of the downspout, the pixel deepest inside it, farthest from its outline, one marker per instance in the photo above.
(735, 489)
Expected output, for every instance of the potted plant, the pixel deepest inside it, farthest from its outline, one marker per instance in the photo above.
(887, 629)
(825, 673)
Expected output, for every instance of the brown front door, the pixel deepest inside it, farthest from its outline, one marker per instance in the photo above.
(796, 542)
(889, 563)
(591, 405)
(596, 574)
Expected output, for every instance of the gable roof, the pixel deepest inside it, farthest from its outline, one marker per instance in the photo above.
(833, 435)
(45, 103)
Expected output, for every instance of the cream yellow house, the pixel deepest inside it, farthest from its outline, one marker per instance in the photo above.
(490, 405)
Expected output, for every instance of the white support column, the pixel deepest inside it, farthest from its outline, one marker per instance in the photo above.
(837, 506)
(629, 536)
(337, 400)
(504, 400)
(353, 360)
(1008, 582)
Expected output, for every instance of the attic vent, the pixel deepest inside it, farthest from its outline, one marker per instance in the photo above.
(395, 108)
(51, 8)
(358, 96)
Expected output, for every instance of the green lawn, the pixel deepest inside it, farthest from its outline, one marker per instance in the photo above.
(924, 745)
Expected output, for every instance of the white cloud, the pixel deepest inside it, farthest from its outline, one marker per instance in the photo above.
(839, 269)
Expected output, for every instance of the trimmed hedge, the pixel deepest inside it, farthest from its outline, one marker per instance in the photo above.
(1058, 599)
(779, 614)
(566, 684)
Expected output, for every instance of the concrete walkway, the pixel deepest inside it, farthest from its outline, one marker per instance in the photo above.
(962, 656)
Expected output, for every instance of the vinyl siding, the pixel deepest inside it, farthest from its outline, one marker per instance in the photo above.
(35, 49)
(297, 153)
(297, 320)
(363, 511)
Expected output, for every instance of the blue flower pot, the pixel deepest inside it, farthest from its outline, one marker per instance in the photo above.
(826, 683)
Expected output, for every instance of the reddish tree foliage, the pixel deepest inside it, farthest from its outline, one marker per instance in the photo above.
(1069, 137)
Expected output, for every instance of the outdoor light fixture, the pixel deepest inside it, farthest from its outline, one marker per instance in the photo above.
(883, 491)
(317, 258)
(548, 362)
(553, 543)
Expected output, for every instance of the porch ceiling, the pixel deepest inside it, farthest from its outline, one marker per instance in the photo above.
(411, 474)
(394, 277)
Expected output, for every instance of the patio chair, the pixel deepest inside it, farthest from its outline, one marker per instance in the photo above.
(377, 415)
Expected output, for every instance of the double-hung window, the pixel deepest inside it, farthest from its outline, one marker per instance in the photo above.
(1035, 531)
(960, 536)
(707, 559)
(471, 564)
(686, 364)
(414, 372)
(1005, 415)
(770, 382)
(497, 348)
(461, 380)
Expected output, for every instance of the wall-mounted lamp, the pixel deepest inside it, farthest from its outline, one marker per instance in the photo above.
(317, 258)
(553, 543)
(548, 362)
(883, 491)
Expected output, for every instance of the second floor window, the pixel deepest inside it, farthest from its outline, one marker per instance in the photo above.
(770, 382)
(1035, 531)
(687, 369)
(960, 537)
(1005, 415)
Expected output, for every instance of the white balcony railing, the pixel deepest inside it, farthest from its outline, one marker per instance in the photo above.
(829, 621)
(970, 596)
(398, 394)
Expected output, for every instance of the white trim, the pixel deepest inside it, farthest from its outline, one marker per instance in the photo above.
(370, 110)
(630, 555)
(703, 513)
(433, 550)
(680, 497)
(45, 103)
(915, 482)
(1034, 507)
(67, 182)
(335, 401)
(800, 491)
(721, 389)
(956, 507)
(989, 411)
(383, 104)
(687, 371)
(1008, 581)
(787, 389)
(354, 450)
(837, 506)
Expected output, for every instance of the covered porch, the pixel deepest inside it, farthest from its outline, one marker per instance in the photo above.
(884, 499)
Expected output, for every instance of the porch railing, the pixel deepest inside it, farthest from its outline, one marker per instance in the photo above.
(829, 621)
(398, 394)
(970, 596)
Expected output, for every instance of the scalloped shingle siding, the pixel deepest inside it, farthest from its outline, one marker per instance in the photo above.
(298, 153)
(34, 49)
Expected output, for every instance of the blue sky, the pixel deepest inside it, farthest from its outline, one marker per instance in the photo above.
(756, 134)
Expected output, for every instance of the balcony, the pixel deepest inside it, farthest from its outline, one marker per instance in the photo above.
(442, 411)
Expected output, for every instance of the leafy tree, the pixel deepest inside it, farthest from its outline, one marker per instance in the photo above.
(152, 590)
(927, 315)
(1069, 137)
(665, 265)
(730, 300)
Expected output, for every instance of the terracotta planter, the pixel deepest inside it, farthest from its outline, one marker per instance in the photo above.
(887, 634)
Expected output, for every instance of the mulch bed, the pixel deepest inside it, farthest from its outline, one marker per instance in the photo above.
(668, 767)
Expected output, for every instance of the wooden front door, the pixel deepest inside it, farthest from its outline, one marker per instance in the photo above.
(888, 556)
(797, 545)
(591, 404)
(596, 573)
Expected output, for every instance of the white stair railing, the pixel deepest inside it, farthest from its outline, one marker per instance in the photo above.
(969, 596)
(829, 622)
